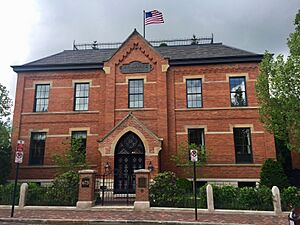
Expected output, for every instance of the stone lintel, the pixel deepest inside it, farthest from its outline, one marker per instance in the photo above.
(142, 171)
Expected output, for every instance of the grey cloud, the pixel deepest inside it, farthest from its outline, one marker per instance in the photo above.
(254, 25)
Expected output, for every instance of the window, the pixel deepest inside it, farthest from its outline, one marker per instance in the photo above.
(136, 93)
(81, 101)
(246, 184)
(194, 93)
(41, 98)
(238, 95)
(242, 144)
(37, 148)
(196, 136)
(79, 144)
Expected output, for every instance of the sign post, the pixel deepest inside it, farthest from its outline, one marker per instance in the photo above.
(194, 159)
(18, 160)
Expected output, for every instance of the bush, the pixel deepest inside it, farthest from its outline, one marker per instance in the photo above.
(203, 197)
(184, 184)
(225, 197)
(38, 195)
(6, 192)
(272, 174)
(164, 191)
(63, 191)
(5, 150)
(255, 198)
(169, 191)
(250, 198)
(290, 198)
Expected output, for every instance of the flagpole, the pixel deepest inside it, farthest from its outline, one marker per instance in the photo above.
(144, 32)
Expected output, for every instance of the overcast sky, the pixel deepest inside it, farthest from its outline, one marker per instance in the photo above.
(33, 29)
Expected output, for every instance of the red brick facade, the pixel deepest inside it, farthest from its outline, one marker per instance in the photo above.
(161, 124)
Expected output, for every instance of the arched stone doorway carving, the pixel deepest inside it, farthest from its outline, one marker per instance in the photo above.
(129, 156)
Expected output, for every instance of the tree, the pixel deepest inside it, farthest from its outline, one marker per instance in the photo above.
(5, 147)
(278, 92)
(5, 152)
(182, 157)
(5, 103)
(73, 159)
(272, 174)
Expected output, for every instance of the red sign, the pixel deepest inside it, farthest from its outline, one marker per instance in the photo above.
(19, 152)
(20, 146)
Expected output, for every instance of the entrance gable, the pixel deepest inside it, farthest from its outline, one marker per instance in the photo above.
(137, 44)
(130, 123)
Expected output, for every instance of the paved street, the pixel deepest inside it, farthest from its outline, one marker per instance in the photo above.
(128, 216)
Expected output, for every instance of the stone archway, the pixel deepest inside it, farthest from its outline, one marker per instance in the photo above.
(129, 155)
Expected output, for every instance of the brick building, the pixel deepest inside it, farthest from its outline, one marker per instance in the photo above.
(133, 105)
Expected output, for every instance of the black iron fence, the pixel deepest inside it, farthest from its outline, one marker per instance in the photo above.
(156, 43)
(111, 189)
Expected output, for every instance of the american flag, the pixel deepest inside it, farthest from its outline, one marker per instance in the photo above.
(153, 17)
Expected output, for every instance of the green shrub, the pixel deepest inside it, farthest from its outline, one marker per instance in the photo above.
(225, 197)
(184, 184)
(255, 198)
(290, 198)
(203, 197)
(272, 174)
(163, 191)
(64, 190)
(38, 195)
(6, 192)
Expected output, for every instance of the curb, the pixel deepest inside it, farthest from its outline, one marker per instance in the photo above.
(106, 222)
(131, 208)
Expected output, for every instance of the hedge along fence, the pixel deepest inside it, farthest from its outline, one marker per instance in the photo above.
(169, 191)
(246, 198)
(62, 192)
(6, 192)
(166, 191)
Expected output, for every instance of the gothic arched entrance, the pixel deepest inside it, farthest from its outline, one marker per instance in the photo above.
(129, 156)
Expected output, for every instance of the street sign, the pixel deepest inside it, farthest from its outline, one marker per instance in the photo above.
(18, 160)
(19, 157)
(194, 159)
(20, 146)
(19, 152)
(194, 155)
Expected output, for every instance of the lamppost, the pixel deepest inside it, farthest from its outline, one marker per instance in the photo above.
(150, 167)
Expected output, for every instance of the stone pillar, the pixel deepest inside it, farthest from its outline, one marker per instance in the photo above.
(210, 198)
(276, 200)
(142, 178)
(23, 193)
(86, 195)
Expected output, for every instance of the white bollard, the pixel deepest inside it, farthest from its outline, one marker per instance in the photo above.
(276, 200)
(23, 192)
(210, 198)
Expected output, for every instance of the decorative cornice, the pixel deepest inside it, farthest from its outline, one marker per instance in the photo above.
(136, 46)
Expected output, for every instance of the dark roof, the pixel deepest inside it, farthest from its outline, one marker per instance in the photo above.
(178, 55)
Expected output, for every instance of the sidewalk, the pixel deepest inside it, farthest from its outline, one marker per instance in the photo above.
(126, 215)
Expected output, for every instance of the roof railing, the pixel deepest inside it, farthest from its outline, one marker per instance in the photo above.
(156, 43)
